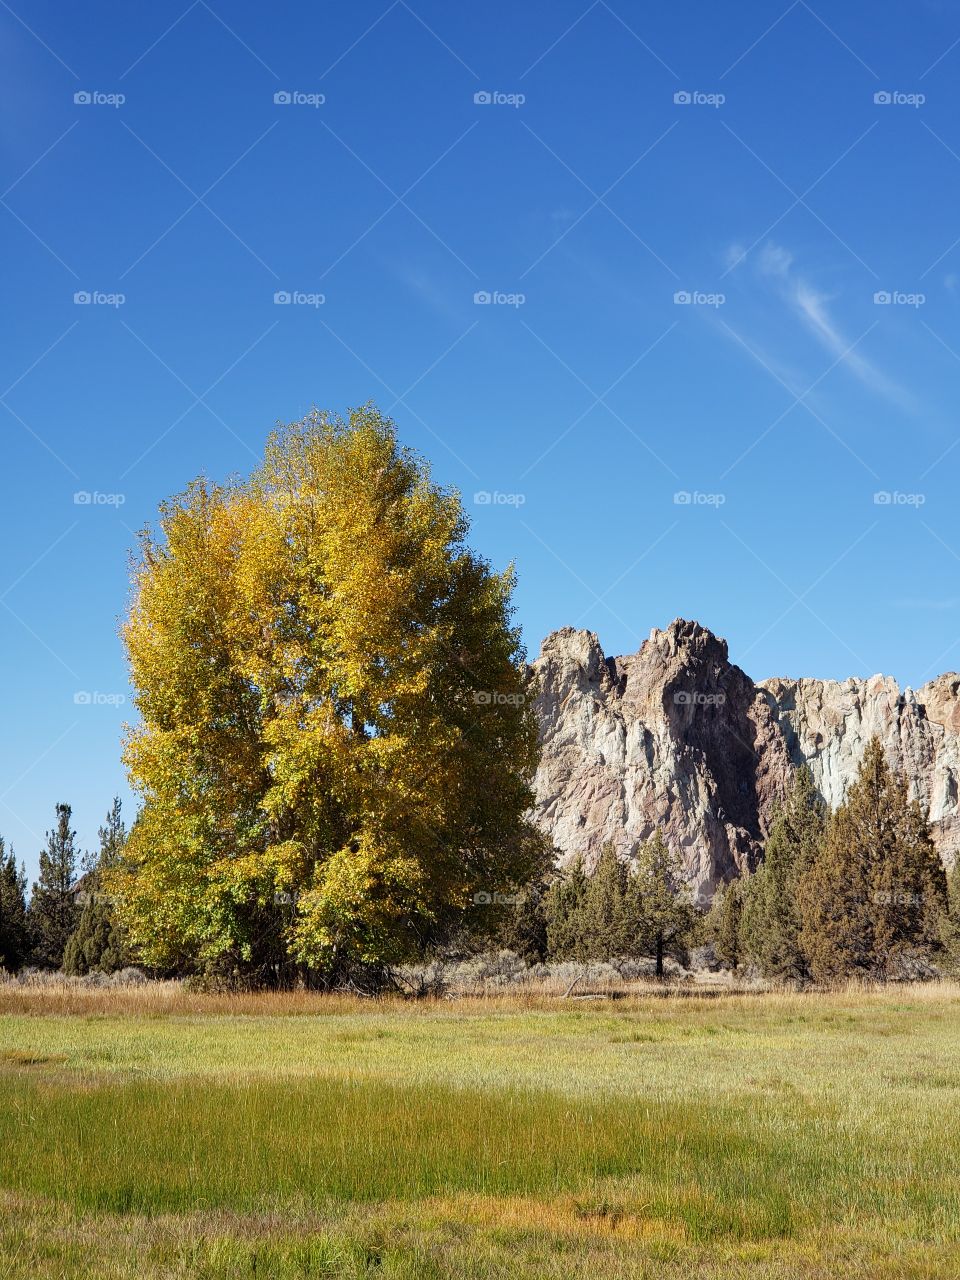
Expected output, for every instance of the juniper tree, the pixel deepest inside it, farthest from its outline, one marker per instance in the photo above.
(14, 937)
(608, 924)
(771, 912)
(724, 923)
(563, 908)
(875, 895)
(53, 912)
(98, 943)
(667, 919)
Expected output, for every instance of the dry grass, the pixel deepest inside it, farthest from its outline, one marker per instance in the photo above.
(155, 1133)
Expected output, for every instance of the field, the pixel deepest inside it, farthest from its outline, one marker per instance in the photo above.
(150, 1133)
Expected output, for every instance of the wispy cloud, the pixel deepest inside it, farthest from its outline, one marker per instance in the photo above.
(776, 265)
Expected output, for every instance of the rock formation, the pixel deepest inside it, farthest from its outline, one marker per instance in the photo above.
(676, 736)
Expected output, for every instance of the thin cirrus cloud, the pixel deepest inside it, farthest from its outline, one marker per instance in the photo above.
(775, 265)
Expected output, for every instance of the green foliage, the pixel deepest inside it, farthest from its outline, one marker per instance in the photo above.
(563, 907)
(622, 910)
(522, 927)
(950, 923)
(53, 912)
(875, 895)
(608, 924)
(14, 935)
(771, 923)
(98, 944)
(724, 922)
(335, 744)
(667, 921)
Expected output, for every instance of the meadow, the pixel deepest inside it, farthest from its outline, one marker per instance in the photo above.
(155, 1133)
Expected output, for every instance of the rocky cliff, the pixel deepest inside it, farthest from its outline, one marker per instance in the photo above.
(676, 736)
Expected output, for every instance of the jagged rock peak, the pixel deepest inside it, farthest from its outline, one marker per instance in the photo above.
(678, 737)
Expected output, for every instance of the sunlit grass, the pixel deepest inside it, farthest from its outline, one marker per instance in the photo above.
(790, 1135)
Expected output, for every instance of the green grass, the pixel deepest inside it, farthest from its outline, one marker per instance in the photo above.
(783, 1136)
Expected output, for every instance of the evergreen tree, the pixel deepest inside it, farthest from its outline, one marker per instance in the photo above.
(666, 918)
(523, 927)
(53, 912)
(875, 896)
(607, 926)
(950, 926)
(563, 907)
(724, 924)
(771, 913)
(98, 942)
(14, 938)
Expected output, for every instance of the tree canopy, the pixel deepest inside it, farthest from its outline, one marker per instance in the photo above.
(334, 749)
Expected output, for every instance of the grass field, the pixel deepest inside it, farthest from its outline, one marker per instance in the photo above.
(149, 1133)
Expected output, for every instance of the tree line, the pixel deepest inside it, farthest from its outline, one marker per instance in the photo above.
(860, 892)
(68, 921)
(856, 893)
(334, 757)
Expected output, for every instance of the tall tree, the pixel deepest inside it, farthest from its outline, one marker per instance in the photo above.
(53, 912)
(874, 898)
(667, 918)
(724, 923)
(335, 745)
(771, 913)
(98, 942)
(950, 926)
(608, 926)
(564, 909)
(14, 936)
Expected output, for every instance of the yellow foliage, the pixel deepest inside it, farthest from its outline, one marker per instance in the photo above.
(320, 781)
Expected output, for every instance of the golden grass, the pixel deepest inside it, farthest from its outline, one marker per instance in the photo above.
(151, 1132)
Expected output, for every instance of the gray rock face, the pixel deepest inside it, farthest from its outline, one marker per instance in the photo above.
(676, 736)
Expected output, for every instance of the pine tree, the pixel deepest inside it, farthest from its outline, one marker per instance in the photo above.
(523, 925)
(563, 906)
(666, 918)
(771, 914)
(724, 923)
(14, 938)
(607, 928)
(98, 943)
(53, 912)
(874, 899)
(950, 926)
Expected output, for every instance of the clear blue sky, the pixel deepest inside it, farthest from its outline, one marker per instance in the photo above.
(796, 398)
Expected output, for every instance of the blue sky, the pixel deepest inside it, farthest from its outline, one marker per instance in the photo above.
(620, 155)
